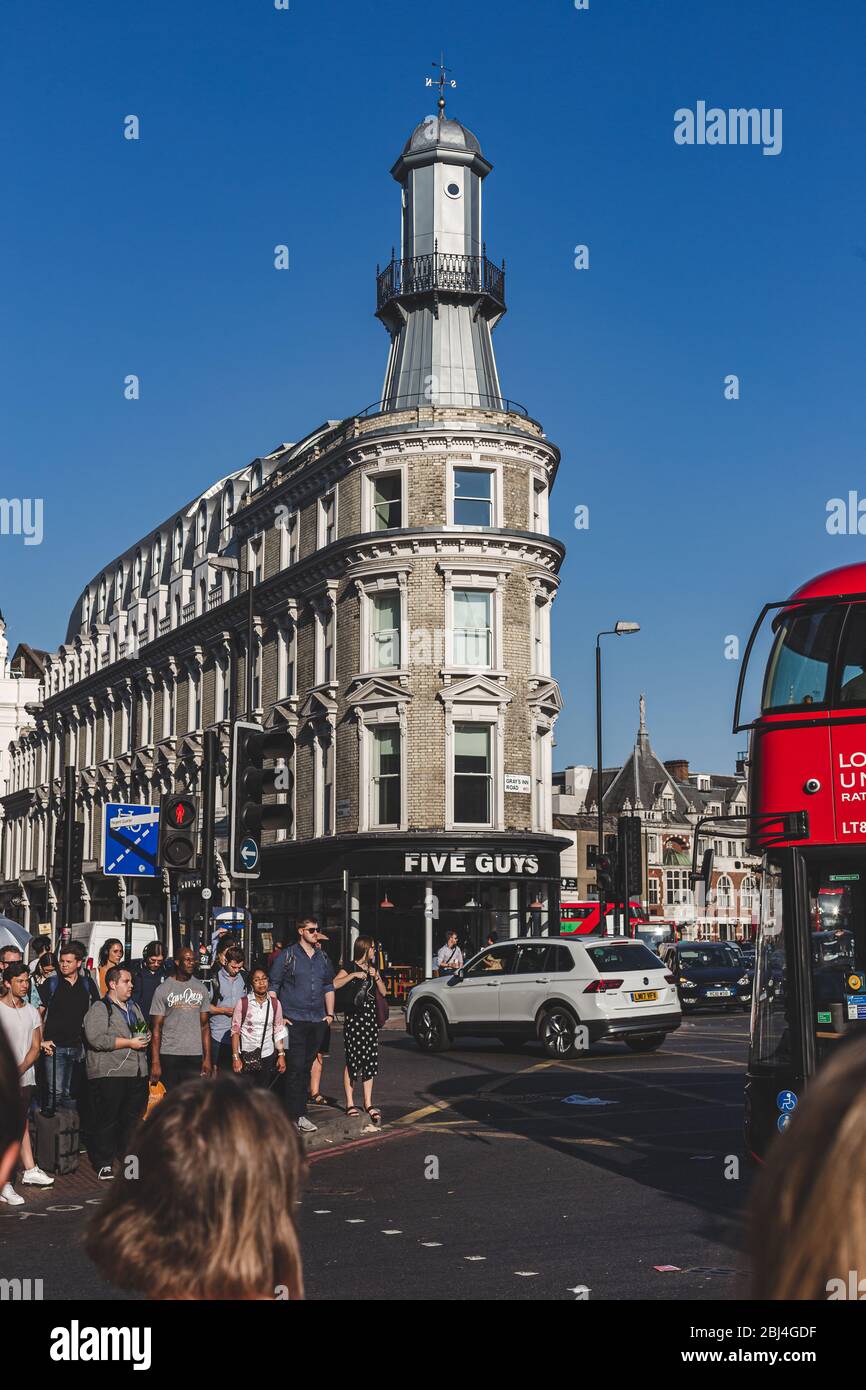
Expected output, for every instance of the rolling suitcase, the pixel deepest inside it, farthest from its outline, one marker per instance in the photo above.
(56, 1134)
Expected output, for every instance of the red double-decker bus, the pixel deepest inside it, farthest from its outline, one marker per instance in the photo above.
(807, 791)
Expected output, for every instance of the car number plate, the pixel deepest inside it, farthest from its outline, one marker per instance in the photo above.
(719, 993)
(645, 996)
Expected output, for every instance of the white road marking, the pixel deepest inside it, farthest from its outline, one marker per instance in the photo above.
(475, 1257)
(432, 1244)
(392, 1233)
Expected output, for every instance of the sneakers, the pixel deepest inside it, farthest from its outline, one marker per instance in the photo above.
(11, 1197)
(34, 1177)
(105, 1174)
(306, 1126)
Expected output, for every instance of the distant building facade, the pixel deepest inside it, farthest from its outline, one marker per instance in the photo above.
(669, 799)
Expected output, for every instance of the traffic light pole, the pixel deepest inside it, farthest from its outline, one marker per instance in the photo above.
(251, 638)
(69, 777)
(602, 905)
(208, 812)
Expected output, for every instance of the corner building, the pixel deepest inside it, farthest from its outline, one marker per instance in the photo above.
(404, 577)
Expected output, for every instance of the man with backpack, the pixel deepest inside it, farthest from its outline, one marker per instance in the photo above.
(227, 988)
(116, 1036)
(65, 997)
(302, 978)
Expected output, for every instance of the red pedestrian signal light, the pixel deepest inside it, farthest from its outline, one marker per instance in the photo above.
(177, 831)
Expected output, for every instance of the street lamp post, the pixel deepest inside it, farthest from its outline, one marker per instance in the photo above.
(621, 629)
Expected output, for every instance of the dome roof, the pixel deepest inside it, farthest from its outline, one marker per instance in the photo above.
(440, 130)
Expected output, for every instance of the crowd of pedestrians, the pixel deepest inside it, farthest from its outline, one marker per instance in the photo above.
(110, 1042)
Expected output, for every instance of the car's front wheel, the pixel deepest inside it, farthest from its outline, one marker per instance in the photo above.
(429, 1028)
(648, 1043)
(558, 1031)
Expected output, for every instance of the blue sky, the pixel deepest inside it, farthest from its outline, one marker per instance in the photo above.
(261, 127)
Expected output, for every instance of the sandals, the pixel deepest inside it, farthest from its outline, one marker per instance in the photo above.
(352, 1111)
(318, 1099)
(375, 1115)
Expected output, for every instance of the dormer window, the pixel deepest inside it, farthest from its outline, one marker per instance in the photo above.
(103, 597)
(201, 526)
(136, 573)
(255, 477)
(118, 585)
(157, 558)
(177, 547)
(227, 507)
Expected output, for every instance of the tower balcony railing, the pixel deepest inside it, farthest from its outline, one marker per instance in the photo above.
(444, 272)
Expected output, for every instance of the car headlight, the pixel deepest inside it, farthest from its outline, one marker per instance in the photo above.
(745, 980)
(687, 984)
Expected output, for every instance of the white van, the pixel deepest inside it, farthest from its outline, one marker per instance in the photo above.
(93, 936)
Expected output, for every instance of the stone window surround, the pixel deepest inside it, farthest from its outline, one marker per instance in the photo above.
(482, 464)
(369, 473)
(369, 718)
(487, 577)
(479, 702)
(539, 482)
(334, 492)
(383, 579)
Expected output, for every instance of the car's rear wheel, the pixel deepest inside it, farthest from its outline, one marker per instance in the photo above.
(429, 1028)
(647, 1043)
(558, 1031)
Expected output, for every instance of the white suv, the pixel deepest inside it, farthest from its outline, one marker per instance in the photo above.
(565, 992)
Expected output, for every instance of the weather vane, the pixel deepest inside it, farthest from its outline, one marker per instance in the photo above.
(441, 82)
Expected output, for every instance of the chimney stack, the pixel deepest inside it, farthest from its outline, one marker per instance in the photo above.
(679, 769)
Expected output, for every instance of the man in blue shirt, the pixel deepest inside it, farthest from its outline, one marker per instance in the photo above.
(302, 978)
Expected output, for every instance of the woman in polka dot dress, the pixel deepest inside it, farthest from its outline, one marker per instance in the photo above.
(361, 1028)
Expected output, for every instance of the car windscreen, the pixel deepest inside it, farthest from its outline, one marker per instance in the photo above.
(627, 956)
(709, 957)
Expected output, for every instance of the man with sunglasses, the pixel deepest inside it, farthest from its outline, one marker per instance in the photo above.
(302, 977)
(149, 976)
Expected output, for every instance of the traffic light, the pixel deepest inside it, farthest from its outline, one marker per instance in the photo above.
(177, 826)
(60, 851)
(604, 876)
(630, 855)
(251, 783)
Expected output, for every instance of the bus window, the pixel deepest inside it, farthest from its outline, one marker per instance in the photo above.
(801, 659)
(838, 947)
(771, 1041)
(853, 676)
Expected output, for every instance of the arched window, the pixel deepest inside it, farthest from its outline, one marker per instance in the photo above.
(201, 526)
(136, 573)
(724, 893)
(255, 477)
(103, 597)
(118, 586)
(157, 557)
(177, 549)
(748, 896)
(85, 612)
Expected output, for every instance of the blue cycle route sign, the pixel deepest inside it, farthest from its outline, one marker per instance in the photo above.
(130, 840)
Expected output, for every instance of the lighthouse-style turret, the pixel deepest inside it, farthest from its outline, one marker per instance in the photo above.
(442, 298)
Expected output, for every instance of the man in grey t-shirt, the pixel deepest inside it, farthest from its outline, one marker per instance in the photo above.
(179, 1018)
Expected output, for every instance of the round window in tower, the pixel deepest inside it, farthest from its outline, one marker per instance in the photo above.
(453, 190)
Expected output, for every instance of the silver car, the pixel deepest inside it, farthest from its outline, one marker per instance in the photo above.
(563, 992)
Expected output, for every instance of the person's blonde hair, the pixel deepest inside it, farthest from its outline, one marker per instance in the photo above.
(211, 1212)
(808, 1211)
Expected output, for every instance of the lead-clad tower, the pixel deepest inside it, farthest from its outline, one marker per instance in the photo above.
(443, 297)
